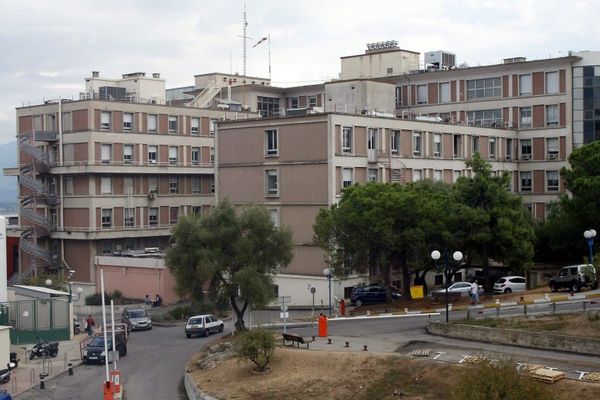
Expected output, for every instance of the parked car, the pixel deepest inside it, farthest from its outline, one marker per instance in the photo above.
(371, 294)
(203, 325)
(509, 284)
(574, 277)
(94, 352)
(464, 288)
(136, 319)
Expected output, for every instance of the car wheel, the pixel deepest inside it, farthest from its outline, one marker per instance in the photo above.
(221, 327)
(358, 303)
(595, 285)
(575, 287)
(188, 335)
(507, 290)
(206, 332)
(553, 287)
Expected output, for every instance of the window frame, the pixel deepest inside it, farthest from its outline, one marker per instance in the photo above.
(173, 184)
(523, 117)
(152, 160)
(372, 175)
(128, 158)
(522, 187)
(128, 220)
(105, 120)
(552, 147)
(271, 142)
(395, 141)
(481, 87)
(106, 185)
(173, 215)
(492, 147)
(128, 125)
(422, 94)
(152, 117)
(106, 217)
(347, 139)
(555, 187)
(347, 182)
(153, 216)
(103, 147)
(271, 191)
(555, 81)
(437, 145)
(172, 124)
(173, 160)
(417, 143)
(528, 85)
(195, 155)
(194, 130)
(554, 122)
(448, 97)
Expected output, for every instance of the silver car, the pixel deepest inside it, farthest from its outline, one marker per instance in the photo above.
(136, 319)
(464, 288)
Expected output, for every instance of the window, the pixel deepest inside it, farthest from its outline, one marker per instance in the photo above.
(373, 175)
(105, 120)
(68, 185)
(525, 149)
(129, 217)
(525, 85)
(127, 122)
(398, 96)
(421, 94)
(195, 125)
(172, 124)
(394, 141)
(347, 135)
(475, 142)
(525, 181)
(274, 213)
(455, 175)
(552, 181)
(106, 185)
(271, 142)
(552, 82)
(346, 177)
(67, 121)
(485, 117)
(552, 148)
(272, 182)
(372, 139)
(105, 153)
(152, 123)
(416, 144)
(312, 101)
(552, 115)
(152, 154)
(107, 218)
(509, 149)
(173, 215)
(445, 92)
(173, 184)
(153, 216)
(437, 175)
(492, 147)
(197, 210)
(268, 106)
(211, 126)
(525, 117)
(128, 185)
(107, 247)
(293, 102)
(195, 155)
(195, 185)
(482, 88)
(127, 154)
(152, 184)
(173, 155)
(457, 146)
(212, 156)
(437, 144)
(417, 175)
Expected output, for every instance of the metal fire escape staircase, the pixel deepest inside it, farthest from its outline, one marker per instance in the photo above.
(391, 164)
(204, 98)
(34, 225)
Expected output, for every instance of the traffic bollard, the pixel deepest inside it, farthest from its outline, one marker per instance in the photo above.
(70, 369)
(42, 384)
(347, 344)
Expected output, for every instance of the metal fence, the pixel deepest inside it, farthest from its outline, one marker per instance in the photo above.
(33, 319)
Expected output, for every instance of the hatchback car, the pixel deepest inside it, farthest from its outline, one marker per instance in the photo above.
(136, 319)
(509, 284)
(203, 325)
(371, 294)
(94, 352)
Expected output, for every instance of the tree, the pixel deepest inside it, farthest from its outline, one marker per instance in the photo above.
(229, 252)
(496, 226)
(257, 346)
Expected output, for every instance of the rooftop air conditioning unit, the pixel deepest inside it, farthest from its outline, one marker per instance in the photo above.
(552, 156)
(152, 195)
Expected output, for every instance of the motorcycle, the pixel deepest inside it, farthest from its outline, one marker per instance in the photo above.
(76, 326)
(5, 373)
(14, 359)
(44, 349)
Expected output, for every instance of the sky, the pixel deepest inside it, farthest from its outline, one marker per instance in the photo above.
(49, 47)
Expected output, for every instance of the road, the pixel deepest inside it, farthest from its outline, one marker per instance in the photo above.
(152, 369)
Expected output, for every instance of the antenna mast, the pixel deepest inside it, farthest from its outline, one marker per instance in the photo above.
(245, 37)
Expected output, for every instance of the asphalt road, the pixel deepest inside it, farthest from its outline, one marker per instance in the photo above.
(152, 369)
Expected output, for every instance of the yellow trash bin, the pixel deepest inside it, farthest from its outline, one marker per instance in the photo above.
(416, 292)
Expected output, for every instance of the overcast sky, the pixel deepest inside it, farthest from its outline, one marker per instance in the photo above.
(49, 47)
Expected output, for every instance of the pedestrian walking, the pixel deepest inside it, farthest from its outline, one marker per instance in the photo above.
(474, 292)
(90, 325)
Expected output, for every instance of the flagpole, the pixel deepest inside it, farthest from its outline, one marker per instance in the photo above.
(269, 38)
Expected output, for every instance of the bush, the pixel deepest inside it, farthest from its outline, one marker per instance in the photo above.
(500, 381)
(96, 299)
(257, 345)
(184, 312)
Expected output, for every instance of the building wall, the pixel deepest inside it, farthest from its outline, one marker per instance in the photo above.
(380, 64)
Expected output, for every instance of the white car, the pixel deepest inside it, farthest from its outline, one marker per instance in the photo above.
(509, 284)
(464, 288)
(203, 325)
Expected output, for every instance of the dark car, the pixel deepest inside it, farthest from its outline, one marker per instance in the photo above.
(370, 294)
(136, 319)
(575, 277)
(94, 352)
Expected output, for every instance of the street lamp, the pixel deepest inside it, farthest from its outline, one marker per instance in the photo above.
(48, 282)
(327, 272)
(457, 256)
(590, 234)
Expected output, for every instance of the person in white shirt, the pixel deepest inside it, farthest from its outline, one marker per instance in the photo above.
(474, 292)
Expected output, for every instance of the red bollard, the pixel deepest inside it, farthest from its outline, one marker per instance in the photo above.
(322, 326)
(342, 308)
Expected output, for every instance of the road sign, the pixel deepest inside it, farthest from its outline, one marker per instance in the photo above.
(284, 299)
(283, 307)
(313, 290)
(284, 315)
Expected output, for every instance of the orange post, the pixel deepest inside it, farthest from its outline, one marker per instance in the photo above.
(115, 376)
(322, 326)
(108, 390)
(342, 308)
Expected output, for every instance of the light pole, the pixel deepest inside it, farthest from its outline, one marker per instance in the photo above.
(457, 256)
(590, 234)
(327, 272)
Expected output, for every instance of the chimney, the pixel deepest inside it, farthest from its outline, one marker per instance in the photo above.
(95, 74)
(156, 75)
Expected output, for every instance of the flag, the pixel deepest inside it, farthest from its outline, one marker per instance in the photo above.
(260, 41)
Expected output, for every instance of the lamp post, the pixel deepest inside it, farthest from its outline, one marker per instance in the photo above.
(327, 272)
(457, 256)
(590, 234)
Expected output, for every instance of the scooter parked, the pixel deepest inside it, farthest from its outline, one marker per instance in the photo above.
(5, 373)
(44, 349)
(14, 359)
(76, 326)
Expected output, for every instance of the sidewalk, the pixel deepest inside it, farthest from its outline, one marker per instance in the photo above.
(27, 374)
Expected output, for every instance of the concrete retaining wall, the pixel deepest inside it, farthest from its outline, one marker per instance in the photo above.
(193, 392)
(537, 340)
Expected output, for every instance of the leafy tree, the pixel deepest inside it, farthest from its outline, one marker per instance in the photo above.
(495, 224)
(258, 346)
(561, 236)
(229, 252)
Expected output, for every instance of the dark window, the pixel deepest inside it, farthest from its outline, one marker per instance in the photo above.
(268, 106)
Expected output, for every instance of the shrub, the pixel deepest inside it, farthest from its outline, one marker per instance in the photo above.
(184, 312)
(499, 381)
(257, 345)
(96, 299)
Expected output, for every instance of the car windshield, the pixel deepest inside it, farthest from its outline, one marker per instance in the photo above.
(501, 280)
(195, 321)
(137, 314)
(98, 341)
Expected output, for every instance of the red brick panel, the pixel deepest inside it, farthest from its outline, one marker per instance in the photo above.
(80, 120)
(453, 91)
(25, 124)
(505, 116)
(144, 122)
(117, 124)
(432, 93)
(540, 211)
(461, 90)
(447, 146)
(538, 116)
(163, 154)
(562, 116)
(505, 86)
(406, 143)
(562, 150)
(405, 95)
(205, 126)
(118, 217)
(136, 122)
(515, 85)
(515, 119)
(413, 94)
(538, 149)
(562, 81)
(319, 100)
(188, 125)
(538, 181)
(537, 83)
(97, 114)
(338, 139)
(163, 123)
(302, 102)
